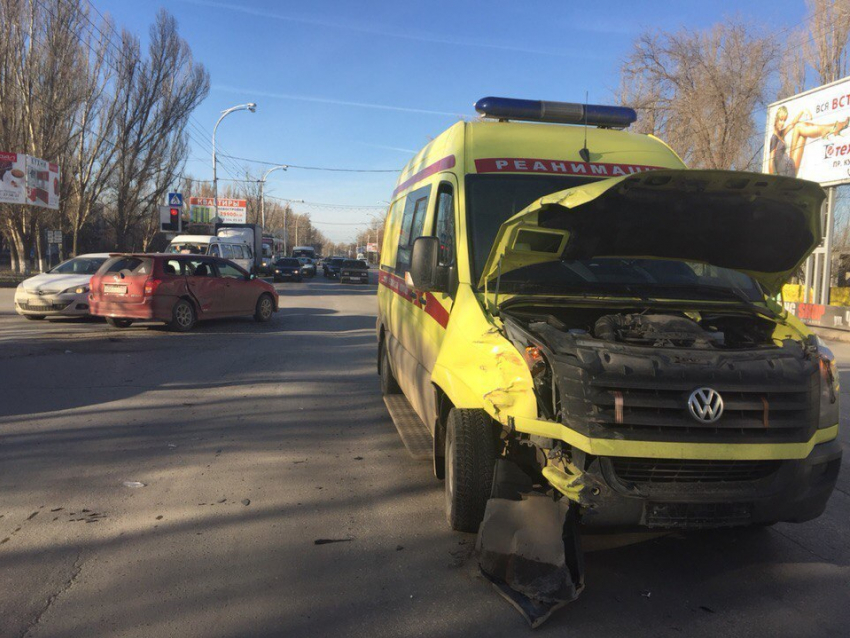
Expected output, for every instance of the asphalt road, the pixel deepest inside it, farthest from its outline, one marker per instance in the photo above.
(254, 441)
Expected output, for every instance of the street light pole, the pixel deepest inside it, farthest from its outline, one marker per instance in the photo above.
(250, 106)
(377, 234)
(282, 167)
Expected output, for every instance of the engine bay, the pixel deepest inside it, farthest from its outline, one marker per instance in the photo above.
(654, 328)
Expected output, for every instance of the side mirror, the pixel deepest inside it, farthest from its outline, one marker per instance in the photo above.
(423, 264)
(251, 276)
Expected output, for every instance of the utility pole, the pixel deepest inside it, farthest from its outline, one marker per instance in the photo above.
(251, 106)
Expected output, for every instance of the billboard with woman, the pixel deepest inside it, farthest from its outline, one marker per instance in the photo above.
(808, 136)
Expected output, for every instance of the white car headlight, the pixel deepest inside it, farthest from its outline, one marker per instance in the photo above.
(76, 290)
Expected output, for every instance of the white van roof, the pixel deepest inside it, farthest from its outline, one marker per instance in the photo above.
(206, 239)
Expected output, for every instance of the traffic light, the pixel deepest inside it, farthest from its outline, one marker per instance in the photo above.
(170, 220)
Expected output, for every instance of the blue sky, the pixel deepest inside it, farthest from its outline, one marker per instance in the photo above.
(365, 84)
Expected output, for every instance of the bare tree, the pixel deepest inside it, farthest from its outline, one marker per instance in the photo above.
(826, 50)
(156, 99)
(700, 91)
(41, 58)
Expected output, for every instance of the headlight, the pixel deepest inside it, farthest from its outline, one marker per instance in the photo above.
(76, 290)
(277, 270)
(828, 388)
(295, 271)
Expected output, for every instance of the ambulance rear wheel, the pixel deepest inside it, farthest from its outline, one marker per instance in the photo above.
(388, 383)
(470, 459)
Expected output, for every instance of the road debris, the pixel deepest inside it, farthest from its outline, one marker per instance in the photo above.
(246, 502)
(133, 484)
(328, 541)
(528, 546)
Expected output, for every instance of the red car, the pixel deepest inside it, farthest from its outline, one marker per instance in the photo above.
(177, 289)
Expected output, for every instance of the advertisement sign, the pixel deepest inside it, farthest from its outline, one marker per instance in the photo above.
(808, 135)
(371, 248)
(42, 183)
(202, 210)
(13, 173)
(28, 180)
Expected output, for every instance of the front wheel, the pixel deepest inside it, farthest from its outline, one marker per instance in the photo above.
(265, 308)
(470, 460)
(182, 316)
(119, 323)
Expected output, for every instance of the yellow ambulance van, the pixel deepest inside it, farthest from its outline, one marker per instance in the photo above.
(562, 297)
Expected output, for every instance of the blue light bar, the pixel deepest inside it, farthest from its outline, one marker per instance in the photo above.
(506, 108)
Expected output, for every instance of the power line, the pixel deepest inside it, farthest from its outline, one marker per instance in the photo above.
(318, 168)
(348, 206)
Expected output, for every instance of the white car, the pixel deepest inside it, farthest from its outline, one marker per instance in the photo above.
(60, 292)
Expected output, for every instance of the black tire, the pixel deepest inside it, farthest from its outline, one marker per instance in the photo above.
(470, 459)
(34, 317)
(183, 316)
(264, 309)
(119, 323)
(388, 383)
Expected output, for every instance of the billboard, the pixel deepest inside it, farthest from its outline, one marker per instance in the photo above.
(28, 180)
(230, 211)
(371, 248)
(42, 183)
(808, 135)
(13, 183)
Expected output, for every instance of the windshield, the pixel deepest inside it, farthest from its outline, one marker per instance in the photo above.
(288, 263)
(659, 278)
(188, 248)
(79, 266)
(493, 199)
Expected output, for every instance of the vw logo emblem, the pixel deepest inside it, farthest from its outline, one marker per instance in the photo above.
(39, 292)
(705, 405)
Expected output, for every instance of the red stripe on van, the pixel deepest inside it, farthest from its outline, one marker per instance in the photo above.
(424, 300)
(440, 165)
(557, 167)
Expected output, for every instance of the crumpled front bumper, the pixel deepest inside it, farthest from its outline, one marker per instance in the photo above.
(800, 480)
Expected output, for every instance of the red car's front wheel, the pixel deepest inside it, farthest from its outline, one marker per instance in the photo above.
(265, 308)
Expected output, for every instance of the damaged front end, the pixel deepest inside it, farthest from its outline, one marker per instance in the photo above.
(670, 393)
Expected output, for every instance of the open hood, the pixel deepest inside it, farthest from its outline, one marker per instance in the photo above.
(761, 225)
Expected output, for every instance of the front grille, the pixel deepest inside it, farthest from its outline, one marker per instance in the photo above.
(756, 413)
(698, 515)
(41, 308)
(636, 470)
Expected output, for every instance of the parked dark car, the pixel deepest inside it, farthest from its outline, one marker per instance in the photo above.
(354, 270)
(177, 289)
(288, 269)
(331, 266)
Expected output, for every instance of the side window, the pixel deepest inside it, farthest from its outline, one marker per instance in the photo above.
(412, 221)
(238, 251)
(214, 251)
(249, 254)
(444, 227)
(226, 251)
(199, 268)
(230, 271)
(172, 267)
